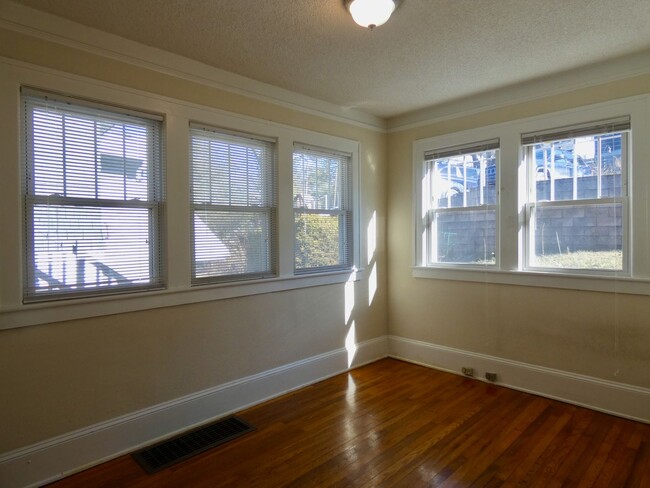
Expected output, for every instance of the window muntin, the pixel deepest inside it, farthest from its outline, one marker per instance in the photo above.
(461, 204)
(93, 199)
(322, 203)
(577, 199)
(234, 209)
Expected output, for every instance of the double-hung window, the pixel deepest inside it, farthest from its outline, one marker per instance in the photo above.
(234, 209)
(577, 198)
(93, 198)
(322, 204)
(459, 203)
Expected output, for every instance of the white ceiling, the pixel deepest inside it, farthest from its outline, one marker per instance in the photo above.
(431, 52)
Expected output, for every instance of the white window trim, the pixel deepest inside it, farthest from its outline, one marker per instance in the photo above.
(421, 186)
(528, 208)
(512, 182)
(177, 116)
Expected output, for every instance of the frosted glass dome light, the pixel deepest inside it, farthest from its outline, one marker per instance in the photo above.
(371, 13)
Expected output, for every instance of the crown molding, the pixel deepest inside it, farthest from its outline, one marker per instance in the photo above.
(41, 25)
(617, 69)
(55, 29)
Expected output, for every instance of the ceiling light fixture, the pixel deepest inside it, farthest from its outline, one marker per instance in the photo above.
(371, 13)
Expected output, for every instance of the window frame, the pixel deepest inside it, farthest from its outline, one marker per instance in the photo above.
(423, 212)
(430, 248)
(531, 205)
(513, 184)
(345, 212)
(154, 204)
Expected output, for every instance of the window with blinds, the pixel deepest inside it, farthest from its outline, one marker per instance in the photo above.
(93, 197)
(234, 206)
(322, 203)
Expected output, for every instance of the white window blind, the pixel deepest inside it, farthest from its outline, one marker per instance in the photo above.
(234, 209)
(322, 202)
(93, 197)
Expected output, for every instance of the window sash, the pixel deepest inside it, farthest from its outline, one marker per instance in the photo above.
(232, 174)
(91, 173)
(530, 247)
(431, 230)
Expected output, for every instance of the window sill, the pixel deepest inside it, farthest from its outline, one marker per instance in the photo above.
(48, 312)
(607, 284)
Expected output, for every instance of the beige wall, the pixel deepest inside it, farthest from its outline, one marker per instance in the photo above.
(58, 377)
(603, 335)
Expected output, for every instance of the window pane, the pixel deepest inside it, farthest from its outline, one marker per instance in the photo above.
(578, 237)
(577, 169)
(77, 248)
(317, 181)
(467, 180)
(465, 236)
(230, 173)
(231, 243)
(85, 156)
(318, 240)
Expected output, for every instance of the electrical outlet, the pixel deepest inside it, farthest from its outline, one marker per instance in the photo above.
(491, 376)
(468, 371)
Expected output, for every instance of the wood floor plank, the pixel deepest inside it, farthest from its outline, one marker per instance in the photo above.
(393, 423)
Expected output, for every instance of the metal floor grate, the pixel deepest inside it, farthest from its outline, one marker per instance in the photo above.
(184, 446)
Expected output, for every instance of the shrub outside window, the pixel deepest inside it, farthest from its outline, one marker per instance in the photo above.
(460, 199)
(577, 197)
(93, 197)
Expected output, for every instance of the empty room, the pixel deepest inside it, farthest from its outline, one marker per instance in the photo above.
(309, 243)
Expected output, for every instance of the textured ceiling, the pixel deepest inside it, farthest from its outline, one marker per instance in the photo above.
(429, 53)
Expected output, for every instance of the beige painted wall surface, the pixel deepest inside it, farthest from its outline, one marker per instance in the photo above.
(601, 335)
(59, 377)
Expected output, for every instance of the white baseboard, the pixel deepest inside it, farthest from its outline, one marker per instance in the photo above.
(55, 458)
(50, 460)
(619, 399)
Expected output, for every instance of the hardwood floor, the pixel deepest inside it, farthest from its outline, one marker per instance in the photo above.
(396, 424)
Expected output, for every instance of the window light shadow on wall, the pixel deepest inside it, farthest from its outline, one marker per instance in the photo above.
(372, 246)
(351, 343)
(350, 338)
